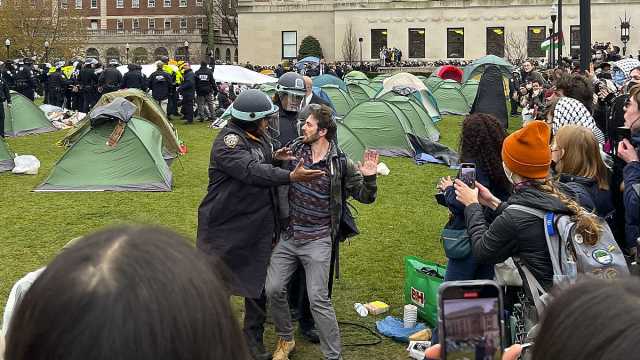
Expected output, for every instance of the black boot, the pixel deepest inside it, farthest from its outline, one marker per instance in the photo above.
(257, 350)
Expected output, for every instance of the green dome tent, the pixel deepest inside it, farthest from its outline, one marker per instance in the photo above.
(470, 89)
(450, 98)
(476, 68)
(135, 163)
(349, 143)
(410, 85)
(6, 157)
(421, 123)
(433, 82)
(356, 76)
(376, 85)
(342, 101)
(361, 92)
(24, 117)
(327, 79)
(381, 77)
(380, 126)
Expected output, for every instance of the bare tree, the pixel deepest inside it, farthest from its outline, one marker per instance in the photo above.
(28, 24)
(221, 14)
(515, 48)
(349, 45)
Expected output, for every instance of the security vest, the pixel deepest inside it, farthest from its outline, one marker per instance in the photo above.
(177, 75)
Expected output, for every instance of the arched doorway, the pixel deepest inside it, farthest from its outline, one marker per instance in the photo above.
(92, 53)
(113, 54)
(217, 54)
(228, 56)
(140, 56)
(235, 56)
(160, 52)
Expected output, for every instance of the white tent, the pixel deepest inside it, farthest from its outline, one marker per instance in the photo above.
(223, 73)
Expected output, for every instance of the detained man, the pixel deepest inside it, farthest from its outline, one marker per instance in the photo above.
(314, 211)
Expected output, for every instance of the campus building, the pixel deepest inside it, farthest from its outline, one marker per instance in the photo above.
(271, 30)
(142, 31)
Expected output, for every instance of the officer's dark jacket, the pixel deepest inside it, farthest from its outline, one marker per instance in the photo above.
(87, 78)
(188, 86)
(159, 83)
(204, 81)
(134, 79)
(110, 78)
(56, 80)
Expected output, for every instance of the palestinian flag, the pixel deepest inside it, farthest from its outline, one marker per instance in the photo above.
(552, 41)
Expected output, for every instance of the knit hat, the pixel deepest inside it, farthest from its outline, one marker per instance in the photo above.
(526, 152)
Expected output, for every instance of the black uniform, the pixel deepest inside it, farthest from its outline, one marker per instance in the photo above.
(134, 79)
(55, 88)
(88, 81)
(4, 96)
(160, 83)
(237, 218)
(8, 75)
(205, 84)
(188, 91)
(26, 82)
(110, 80)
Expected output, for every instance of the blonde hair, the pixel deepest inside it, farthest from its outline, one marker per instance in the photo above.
(581, 155)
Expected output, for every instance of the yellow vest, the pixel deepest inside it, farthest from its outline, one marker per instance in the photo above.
(173, 72)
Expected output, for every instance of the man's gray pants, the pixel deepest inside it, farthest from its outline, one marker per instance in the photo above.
(206, 109)
(315, 256)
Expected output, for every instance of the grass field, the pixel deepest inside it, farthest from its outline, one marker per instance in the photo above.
(405, 220)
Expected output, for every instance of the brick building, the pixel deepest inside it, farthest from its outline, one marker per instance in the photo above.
(141, 31)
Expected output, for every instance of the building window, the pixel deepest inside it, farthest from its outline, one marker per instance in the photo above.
(199, 23)
(151, 24)
(535, 37)
(136, 24)
(119, 4)
(167, 3)
(455, 42)
(94, 25)
(135, 4)
(120, 25)
(198, 2)
(183, 3)
(78, 4)
(574, 41)
(167, 24)
(289, 44)
(183, 23)
(151, 3)
(94, 4)
(495, 41)
(416, 43)
(378, 41)
(64, 4)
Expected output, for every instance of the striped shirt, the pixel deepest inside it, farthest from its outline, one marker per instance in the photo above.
(309, 215)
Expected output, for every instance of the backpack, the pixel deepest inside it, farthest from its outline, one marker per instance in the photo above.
(571, 258)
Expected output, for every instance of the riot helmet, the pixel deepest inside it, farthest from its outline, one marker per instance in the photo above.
(253, 105)
(291, 89)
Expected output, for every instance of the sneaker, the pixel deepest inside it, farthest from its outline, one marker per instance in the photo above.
(283, 349)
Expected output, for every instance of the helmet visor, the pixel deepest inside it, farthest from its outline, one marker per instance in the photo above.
(294, 102)
(274, 125)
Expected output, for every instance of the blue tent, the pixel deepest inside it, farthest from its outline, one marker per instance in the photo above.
(308, 60)
(327, 79)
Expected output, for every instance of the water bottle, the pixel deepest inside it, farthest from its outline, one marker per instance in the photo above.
(361, 309)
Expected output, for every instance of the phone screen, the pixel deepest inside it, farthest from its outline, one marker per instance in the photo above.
(468, 174)
(472, 323)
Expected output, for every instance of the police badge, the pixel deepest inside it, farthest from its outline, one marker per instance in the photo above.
(231, 140)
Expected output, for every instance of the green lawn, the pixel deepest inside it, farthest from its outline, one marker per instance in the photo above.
(405, 220)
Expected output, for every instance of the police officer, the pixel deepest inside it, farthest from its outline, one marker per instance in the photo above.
(205, 91)
(160, 84)
(134, 79)
(8, 75)
(237, 220)
(188, 91)
(25, 81)
(110, 79)
(4, 96)
(176, 76)
(88, 81)
(55, 85)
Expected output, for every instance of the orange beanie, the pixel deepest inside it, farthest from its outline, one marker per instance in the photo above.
(526, 152)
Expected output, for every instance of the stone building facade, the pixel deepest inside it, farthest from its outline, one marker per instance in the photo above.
(141, 31)
(271, 30)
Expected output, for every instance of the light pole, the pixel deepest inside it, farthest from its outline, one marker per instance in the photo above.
(554, 15)
(186, 50)
(46, 51)
(360, 41)
(7, 43)
(585, 34)
(127, 48)
(625, 25)
(560, 31)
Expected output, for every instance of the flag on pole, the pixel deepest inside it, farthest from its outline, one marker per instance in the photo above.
(552, 41)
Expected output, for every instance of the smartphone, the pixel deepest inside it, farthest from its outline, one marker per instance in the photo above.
(440, 199)
(467, 174)
(622, 133)
(471, 320)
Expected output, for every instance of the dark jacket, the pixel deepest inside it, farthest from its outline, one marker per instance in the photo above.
(587, 193)
(188, 86)
(237, 218)
(8, 75)
(490, 97)
(134, 79)
(315, 99)
(530, 76)
(110, 80)
(87, 79)
(4, 93)
(223, 100)
(205, 84)
(515, 233)
(631, 176)
(288, 126)
(56, 81)
(160, 82)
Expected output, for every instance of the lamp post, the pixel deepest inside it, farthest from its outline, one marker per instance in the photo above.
(585, 34)
(186, 50)
(360, 40)
(7, 43)
(560, 31)
(554, 15)
(127, 48)
(46, 51)
(625, 25)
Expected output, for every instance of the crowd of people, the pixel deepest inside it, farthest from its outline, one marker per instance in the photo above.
(271, 223)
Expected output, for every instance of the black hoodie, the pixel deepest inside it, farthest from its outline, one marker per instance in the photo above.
(515, 233)
(490, 98)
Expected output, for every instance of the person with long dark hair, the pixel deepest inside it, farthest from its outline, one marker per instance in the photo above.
(480, 143)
